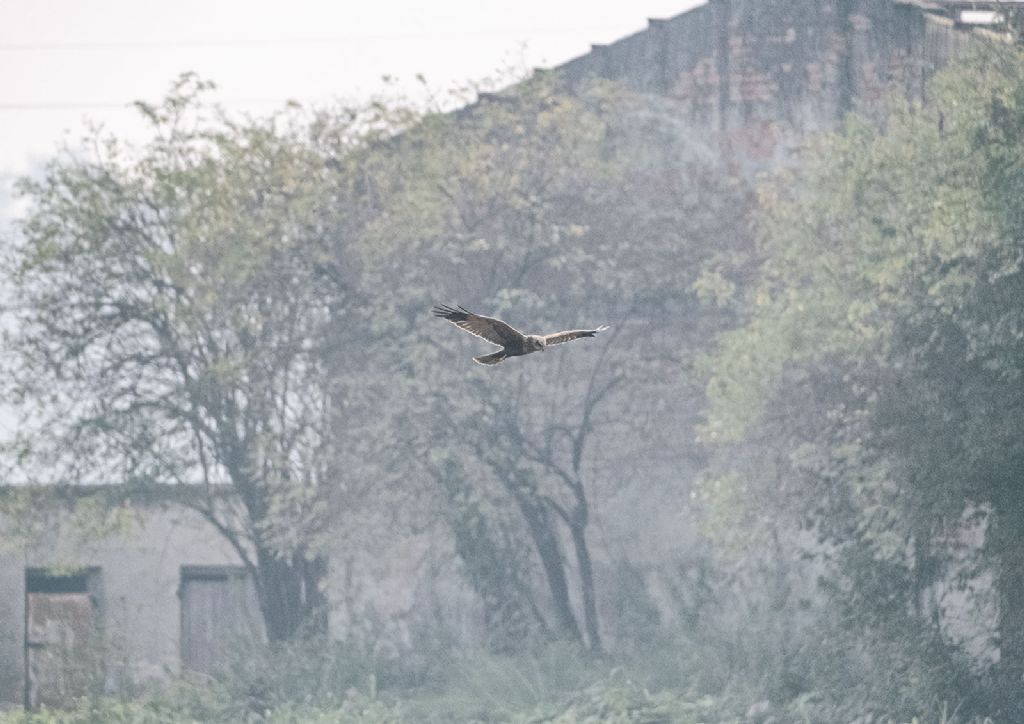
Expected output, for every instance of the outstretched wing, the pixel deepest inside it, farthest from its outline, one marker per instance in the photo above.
(559, 337)
(493, 330)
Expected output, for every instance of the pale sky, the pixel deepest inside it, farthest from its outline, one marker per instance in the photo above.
(64, 61)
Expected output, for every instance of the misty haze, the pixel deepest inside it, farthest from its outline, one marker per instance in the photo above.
(274, 444)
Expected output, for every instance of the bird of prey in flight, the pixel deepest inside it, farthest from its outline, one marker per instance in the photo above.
(513, 343)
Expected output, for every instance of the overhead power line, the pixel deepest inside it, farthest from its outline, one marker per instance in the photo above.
(130, 105)
(61, 106)
(262, 42)
(158, 44)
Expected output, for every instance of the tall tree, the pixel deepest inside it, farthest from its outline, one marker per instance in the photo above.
(552, 211)
(882, 357)
(175, 323)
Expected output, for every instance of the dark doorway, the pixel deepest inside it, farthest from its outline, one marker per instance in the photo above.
(63, 642)
(219, 613)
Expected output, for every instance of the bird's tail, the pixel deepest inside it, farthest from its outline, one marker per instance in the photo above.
(491, 359)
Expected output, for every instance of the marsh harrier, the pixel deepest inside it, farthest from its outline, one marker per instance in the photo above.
(513, 343)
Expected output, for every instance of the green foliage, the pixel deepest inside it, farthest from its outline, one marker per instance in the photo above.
(868, 397)
(243, 307)
(356, 709)
(532, 206)
(611, 697)
(313, 673)
(176, 324)
(622, 701)
(478, 686)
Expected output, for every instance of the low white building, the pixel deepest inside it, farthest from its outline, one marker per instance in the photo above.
(83, 610)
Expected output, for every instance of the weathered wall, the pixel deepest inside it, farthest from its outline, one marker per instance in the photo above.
(12, 627)
(139, 574)
(762, 75)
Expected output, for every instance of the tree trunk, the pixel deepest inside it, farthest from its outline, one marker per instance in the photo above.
(579, 540)
(491, 568)
(545, 540)
(1009, 539)
(290, 594)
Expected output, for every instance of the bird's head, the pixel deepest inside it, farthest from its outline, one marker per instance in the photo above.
(534, 343)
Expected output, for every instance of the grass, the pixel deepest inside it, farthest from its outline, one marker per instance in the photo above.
(556, 685)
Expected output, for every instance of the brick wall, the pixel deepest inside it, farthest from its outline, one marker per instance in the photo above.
(761, 74)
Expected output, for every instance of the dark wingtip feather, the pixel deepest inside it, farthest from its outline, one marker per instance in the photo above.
(452, 315)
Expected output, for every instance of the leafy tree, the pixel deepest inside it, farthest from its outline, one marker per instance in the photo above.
(551, 211)
(882, 359)
(176, 322)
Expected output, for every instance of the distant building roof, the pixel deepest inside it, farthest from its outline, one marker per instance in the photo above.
(969, 12)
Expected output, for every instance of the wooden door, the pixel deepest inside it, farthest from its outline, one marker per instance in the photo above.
(63, 651)
(219, 614)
